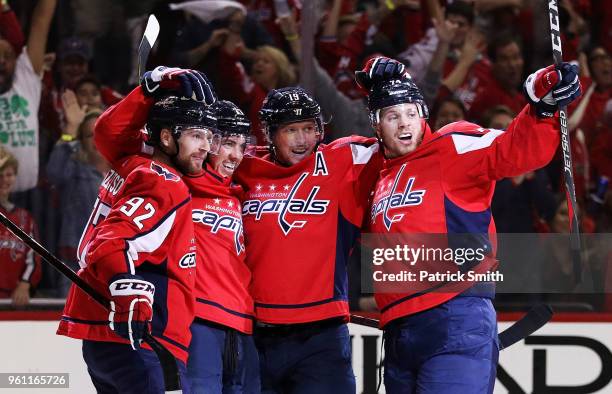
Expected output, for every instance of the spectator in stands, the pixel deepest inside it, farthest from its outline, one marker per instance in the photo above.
(448, 111)
(343, 40)
(264, 11)
(504, 85)
(494, 16)
(271, 70)
(19, 266)
(601, 157)
(77, 169)
(430, 82)
(453, 50)
(348, 116)
(574, 29)
(73, 57)
(222, 28)
(89, 93)
(417, 56)
(20, 90)
(556, 263)
(601, 24)
(404, 22)
(599, 201)
(598, 91)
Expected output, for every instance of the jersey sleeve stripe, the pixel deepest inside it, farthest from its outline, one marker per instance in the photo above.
(467, 143)
(362, 154)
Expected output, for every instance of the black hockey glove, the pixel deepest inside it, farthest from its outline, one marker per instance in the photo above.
(183, 82)
(379, 69)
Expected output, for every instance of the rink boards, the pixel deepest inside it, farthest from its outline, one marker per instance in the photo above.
(568, 356)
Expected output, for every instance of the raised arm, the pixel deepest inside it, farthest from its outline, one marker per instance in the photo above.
(531, 140)
(39, 31)
(330, 28)
(433, 74)
(474, 44)
(118, 130)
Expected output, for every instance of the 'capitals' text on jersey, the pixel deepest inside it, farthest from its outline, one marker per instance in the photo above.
(394, 199)
(218, 222)
(287, 204)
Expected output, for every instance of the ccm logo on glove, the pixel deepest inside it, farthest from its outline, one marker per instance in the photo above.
(125, 285)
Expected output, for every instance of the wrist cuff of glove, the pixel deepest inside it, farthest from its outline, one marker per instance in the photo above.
(130, 285)
(544, 110)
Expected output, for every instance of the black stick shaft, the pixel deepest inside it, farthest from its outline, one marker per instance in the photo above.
(54, 261)
(166, 358)
(570, 190)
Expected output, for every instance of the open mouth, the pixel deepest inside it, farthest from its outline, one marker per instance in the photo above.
(229, 166)
(406, 136)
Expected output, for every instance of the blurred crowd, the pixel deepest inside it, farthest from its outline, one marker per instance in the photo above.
(62, 62)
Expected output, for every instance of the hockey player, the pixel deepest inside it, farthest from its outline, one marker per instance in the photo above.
(437, 339)
(222, 354)
(303, 207)
(137, 248)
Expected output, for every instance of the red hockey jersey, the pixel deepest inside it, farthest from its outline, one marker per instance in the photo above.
(141, 224)
(446, 185)
(17, 261)
(223, 278)
(222, 286)
(300, 225)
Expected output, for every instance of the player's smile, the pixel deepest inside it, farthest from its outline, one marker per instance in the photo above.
(225, 157)
(230, 165)
(299, 151)
(293, 142)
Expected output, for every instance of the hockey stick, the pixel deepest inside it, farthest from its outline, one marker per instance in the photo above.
(570, 190)
(527, 325)
(533, 320)
(166, 359)
(146, 44)
(364, 321)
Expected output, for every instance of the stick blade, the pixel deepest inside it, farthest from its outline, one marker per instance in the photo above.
(537, 317)
(146, 44)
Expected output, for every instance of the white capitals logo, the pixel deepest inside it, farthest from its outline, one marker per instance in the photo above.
(218, 222)
(288, 205)
(406, 198)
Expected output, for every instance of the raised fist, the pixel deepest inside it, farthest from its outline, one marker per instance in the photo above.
(180, 81)
(380, 69)
(552, 87)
